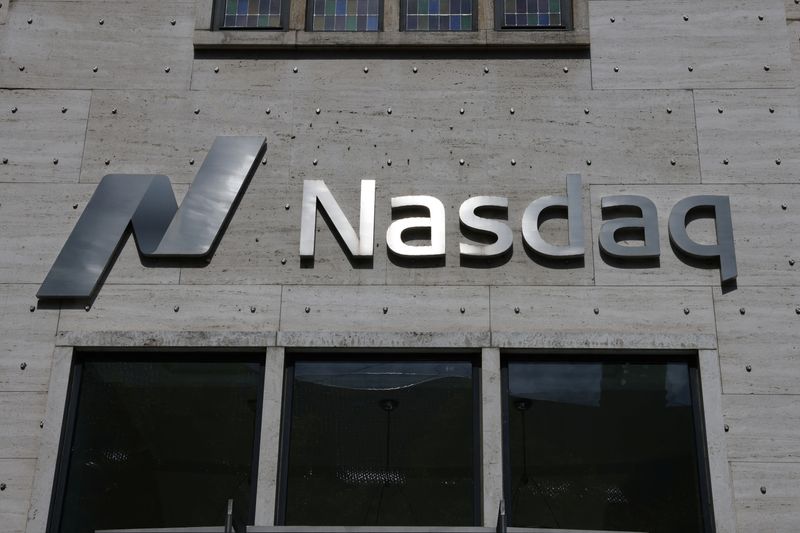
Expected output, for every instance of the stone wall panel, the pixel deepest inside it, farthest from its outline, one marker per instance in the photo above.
(760, 350)
(748, 136)
(42, 135)
(682, 44)
(17, 474)
(177, 309)
(776, 510)
(762, 427)
(20, 416)
(28, 339)
(598, 317)
(154, 132)
(65, 41)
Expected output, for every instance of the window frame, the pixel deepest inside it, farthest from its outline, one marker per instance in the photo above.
(68, 426)
(291, 358)
(698, 418)
(209, 39)
(218, 18)
(566, 14)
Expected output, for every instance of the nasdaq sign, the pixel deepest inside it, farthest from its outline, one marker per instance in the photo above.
(145, 205)
(644, 224)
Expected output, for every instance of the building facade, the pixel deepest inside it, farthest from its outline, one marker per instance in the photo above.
(415, 297)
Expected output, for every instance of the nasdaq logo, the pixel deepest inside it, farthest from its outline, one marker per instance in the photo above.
(145, 205)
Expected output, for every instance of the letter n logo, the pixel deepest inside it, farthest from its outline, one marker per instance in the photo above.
(145, 205)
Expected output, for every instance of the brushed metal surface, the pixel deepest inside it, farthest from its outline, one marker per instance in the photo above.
(146, 204)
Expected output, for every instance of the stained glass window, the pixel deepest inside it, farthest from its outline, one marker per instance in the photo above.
(259, 14)
(531, 14)
(345, 15)
(438, 15)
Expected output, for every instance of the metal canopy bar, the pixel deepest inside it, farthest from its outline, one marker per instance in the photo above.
(502, 527)
(356, 529)
(432, 529)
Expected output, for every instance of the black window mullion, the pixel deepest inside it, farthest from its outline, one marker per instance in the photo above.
(285, 437)
(67, 435)
(704, 476)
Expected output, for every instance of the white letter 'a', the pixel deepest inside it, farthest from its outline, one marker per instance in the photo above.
(434, 223)
(316, 195)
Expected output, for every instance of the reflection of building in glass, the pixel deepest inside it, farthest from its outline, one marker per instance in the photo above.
(381, 443)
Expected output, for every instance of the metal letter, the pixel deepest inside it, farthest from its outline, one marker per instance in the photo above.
(706, 206)
(146, 204)
(531, 220)
(504, 237)
(435, 222)
(648, 223)
(316, 195)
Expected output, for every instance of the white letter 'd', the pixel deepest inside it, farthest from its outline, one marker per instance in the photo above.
(531, 221)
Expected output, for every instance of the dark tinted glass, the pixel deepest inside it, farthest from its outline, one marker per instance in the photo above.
(377, 443)
(602, 446)
(160, 444)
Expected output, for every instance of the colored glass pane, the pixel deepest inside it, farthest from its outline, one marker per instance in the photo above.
(252, 14)
(531, 13)
(345, 15)
(439, 15)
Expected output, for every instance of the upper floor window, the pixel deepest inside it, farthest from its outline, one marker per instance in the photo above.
(251, 14)
(345, 15)
(414, 15)
(438, 15)
(533, 14)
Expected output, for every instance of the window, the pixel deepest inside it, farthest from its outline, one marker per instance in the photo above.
(438, 15)
(533, 14)
(157, 441)
(251, 14)
(605, 444)
(378, 442)
(413, 16)
(345, 15)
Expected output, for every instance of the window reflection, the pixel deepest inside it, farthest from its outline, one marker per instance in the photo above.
(159, 441)
(381, 443)
(596, 445)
